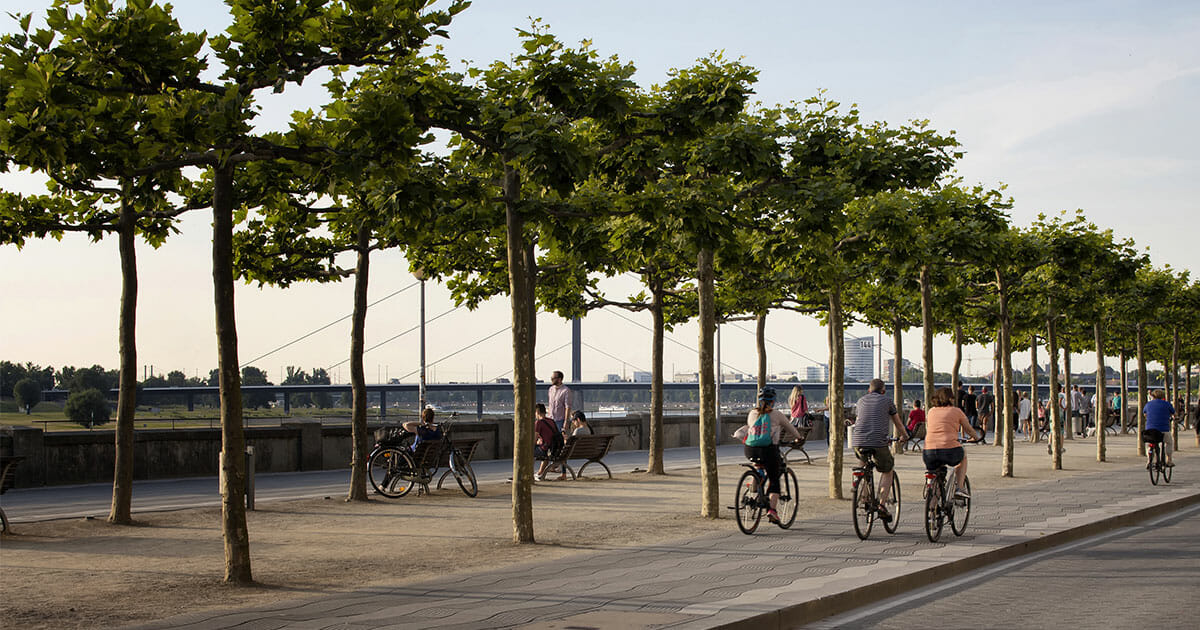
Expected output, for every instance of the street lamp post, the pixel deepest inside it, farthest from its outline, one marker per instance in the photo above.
(419, 274)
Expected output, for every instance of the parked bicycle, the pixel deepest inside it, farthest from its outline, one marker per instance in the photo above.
(750, 498)
(1158, 461)
(942, 505)
(866, 504)
(394, 467)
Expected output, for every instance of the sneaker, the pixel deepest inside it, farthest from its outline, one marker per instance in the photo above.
(537, 476)
(884, 515)
(962, 494)
(1170, 464)
(773, 516)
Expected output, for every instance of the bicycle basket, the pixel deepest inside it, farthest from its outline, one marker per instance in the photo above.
(390, 436)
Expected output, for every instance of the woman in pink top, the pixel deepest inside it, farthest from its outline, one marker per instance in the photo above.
(942, 448)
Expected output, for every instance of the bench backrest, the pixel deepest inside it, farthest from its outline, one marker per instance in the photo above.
(7, 465)
(587, 446)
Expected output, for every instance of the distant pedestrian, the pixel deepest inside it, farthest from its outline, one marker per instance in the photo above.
(970, 408)
(1077, 409)
(985, 405)
(799, 405)
(559, 406)
(1025, 414)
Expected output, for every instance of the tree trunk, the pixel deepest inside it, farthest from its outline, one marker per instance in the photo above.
(1056, 418)
(897, 376)
(1124, 390)
(1069, 431)
(1142, 393)
(1006, 463)
(956, 373)
(521, 281)
(122, 496)
(358, 379)
(1175, 385)
(1100, 410)
(837, 411)
(926, 336)
(709, 414)
(760, 338)
(233, 438)
(1034, 395)
(997, 392)
(655, 464)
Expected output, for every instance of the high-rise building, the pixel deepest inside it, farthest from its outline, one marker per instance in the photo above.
(816, 373)
(860, 358)
(889, 366)
(642, 377)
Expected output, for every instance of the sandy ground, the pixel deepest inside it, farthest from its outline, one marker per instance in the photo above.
(77, 573)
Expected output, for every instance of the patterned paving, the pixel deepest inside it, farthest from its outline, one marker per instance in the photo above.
(722, 578)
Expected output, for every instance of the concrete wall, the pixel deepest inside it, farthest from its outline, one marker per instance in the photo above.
(71, 457)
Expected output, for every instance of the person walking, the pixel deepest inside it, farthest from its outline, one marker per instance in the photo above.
(1025, 414)
(985, 405)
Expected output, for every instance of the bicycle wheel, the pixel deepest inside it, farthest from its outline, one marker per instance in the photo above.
(1155, 463)
(933, 512)
(893, 504)
(962, 511)
(864, 507)
(788, 499)
(463, 473)
(746, 502)
(390, 471)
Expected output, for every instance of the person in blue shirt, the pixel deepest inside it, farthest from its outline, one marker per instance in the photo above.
(425, 430)
(1158, 423)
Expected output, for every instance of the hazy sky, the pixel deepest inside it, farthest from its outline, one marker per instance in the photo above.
(1071, 104)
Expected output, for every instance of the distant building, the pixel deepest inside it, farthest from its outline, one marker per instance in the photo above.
(784, 377)
(687, 377)
(860, 358)
(889, 367)
(642, 377)
(816, 373)
(612, 378)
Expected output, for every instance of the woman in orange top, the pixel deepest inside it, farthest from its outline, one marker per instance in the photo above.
(942, 448)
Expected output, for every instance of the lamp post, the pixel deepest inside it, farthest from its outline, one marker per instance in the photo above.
(419, 274)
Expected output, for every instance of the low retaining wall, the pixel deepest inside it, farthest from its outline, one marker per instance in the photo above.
(75, 457)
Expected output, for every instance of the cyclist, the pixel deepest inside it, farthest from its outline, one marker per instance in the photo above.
(869, 435)
(942, 447)
(1158, 424)
(768, 431)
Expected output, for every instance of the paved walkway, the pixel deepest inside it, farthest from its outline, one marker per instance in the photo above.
(775, 578)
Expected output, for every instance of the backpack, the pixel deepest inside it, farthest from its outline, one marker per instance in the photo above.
(556, 444)
(760, 432)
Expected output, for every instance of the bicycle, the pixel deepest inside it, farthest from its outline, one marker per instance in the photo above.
(1158, 462)
(398, 469)
(751, 500)
(866, 505)
(941, 505)
(391, 455)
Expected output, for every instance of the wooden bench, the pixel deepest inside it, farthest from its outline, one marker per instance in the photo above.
(917, 441)
(7, 464)
(429, 456)
(593, 448)
(804, 431)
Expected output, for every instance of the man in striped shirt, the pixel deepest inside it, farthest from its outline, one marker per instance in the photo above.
(870, 435)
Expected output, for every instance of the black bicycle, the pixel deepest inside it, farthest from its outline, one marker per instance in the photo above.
(942, 505)
(1158, 461)
(395, 468)
(751, 500)
(866, 505)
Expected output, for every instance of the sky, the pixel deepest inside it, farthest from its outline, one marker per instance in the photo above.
(1087, 105)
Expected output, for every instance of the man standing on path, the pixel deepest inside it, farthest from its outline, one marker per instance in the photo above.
(870, 433)
(560, 401)
(969, 407)
(1077, 409)
(985, 404)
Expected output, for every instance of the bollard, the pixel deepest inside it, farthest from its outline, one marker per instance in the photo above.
(249, 489)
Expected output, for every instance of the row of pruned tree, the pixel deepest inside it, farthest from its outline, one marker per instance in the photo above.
(559, 170)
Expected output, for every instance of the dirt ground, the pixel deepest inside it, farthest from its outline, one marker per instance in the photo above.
(75, 573)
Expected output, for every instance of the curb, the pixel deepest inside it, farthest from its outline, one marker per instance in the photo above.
(828, 606)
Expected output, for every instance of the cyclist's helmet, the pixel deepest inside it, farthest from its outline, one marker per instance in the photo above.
(766, 395)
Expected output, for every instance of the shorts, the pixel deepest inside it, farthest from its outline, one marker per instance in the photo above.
(935, 458)
(883, 457)
(1152, 435)
(540, 453)
(768, 456)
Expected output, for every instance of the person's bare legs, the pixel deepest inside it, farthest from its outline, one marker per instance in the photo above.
(960, 474)
(885, 486)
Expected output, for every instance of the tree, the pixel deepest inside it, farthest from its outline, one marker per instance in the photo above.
(28, 393)
(254, 376)
(830, 160)
(87, 407)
